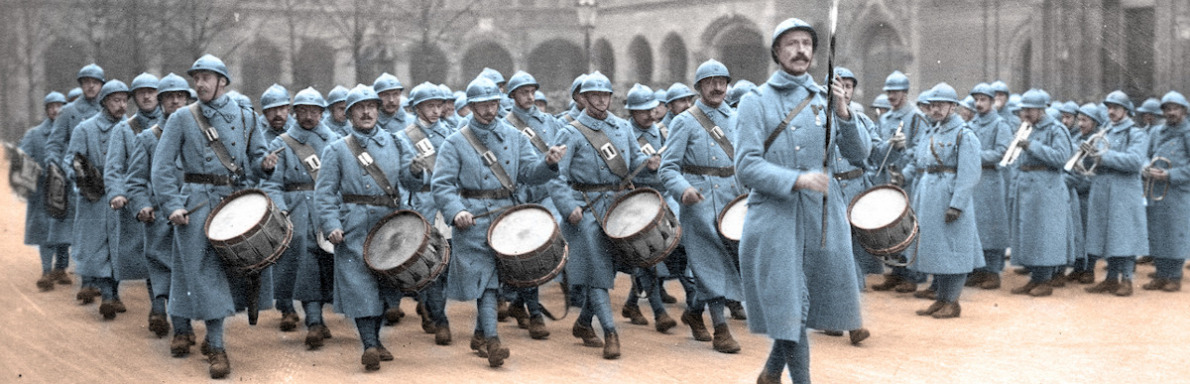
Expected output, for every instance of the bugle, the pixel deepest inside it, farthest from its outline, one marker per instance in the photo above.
(1014, 148)
(1096, 145)
(1151, 182)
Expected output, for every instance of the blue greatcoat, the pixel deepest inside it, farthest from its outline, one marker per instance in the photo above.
(357, 293)
(1115, 208)
(547, 128)
(790, 281)
(711, 262)
(37, 220)
(908, 118)
(591, 262)
(393, 123)
(96, 237)
(1040, 210)
(62, 231)
(947, 248)
(338, 128)
(130, 259)
(991, 208)
(1169, 236)
(852, 186)
(297, 274)
(200, 287)
(159, 235)
(423, 199)
(473, 263)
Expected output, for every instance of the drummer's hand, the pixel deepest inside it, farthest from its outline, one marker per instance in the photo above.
(952, 214)
(654, 162)
(336, 236)
(269, 162)
(118, 202)
(464, 220)
(180, 217)
(691, 196)
(575, 216)
(145, 215)
(555, 154)
(896, 179)
(1158, 174)
(841, 107)
(814, 181)
(1024, 144)
(417, 166)
(898, 141)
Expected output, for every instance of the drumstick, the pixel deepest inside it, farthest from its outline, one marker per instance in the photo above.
(191, 209)
(496, 210)
(276, 151)
(641, 167)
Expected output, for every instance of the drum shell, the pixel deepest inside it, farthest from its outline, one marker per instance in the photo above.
(649, 246)
(890, 238)
(426, 264)
(23, 175)
(56, 192)
(258, 247)
(536, 267)
(741, 201)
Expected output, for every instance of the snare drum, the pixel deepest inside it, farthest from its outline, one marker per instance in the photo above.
(642, 228)
(248, 231)
(731, 220)
(22, 173)
(883, 222)
(530, 250)
(404, 251)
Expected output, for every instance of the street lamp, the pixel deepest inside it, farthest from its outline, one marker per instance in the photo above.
(587, 11)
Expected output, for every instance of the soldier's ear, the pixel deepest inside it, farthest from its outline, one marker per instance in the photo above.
(222, 81)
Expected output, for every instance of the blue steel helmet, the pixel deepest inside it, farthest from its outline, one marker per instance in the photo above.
(172, 83)
(983, 89)
(74, 93)
(91, 71)
(445, 94)
(1068, 107)
(791, 24)
(640, 98)
(1034, 98)
(521, 79)
(659, 95)
(1173, 97)
(1119, 98)
(422, 93)
(943, 92)
(1014, 103)
(114, 86)
(597, 82)
(361, 93)
(493, 75)
(338, 94)
(273, 97)
(1093, 112)
(309, 96)
(193, 94)
(924, 96)
(968, 102)
(737, 92)
(210, 63)
(460, 101)
(482, 89)
(881, 102)
(710, 68)
(54, 97)
(387, 82)
(577, 85)
(845, 74)
(1054, 113)
(896, 81)
(538, 96)
(144, 80)
(1000, 87)
(1150, 106)
(240, 99)
(677, 91)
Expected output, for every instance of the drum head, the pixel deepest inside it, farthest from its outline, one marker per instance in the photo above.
(731, 225)
(237, 215)
(877, 208)
(395, 240)
(632, 214)
(522, 230)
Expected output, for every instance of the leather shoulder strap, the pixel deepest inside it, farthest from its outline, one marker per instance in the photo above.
(606, 150)
(645, 146)
(305, 152)
(365, 160)
(425, 148)
(528, 131)
(156, 130)
(134, 124)
(489, 158)
(785, 123)
(664, 130)
(212, 136)
(714, 130)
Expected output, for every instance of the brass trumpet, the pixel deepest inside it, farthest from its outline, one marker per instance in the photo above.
(1098, 146)
(1151, 183)
(1014, 148)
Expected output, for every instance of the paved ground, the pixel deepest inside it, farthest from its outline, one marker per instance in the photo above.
(1071, 337)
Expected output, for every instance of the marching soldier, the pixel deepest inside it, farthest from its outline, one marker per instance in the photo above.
(392, 116)
(73, 94)
(336, 116)
(1149, 114)
(577, 102)
(471, 179)
(741, 88)
(880, 105)
(991, 210)
(900, 127)
(446, 109)
(275, 120)
(1089, 118)
(541, 102)
(55, 257)
(1169, 241)
(678, 98)
(357, 186)
(787, 192)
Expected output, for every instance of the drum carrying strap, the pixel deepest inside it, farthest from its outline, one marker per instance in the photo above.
(369, 164)
(714, 130)
(785, 123)
(212, 136)
(645, 146)
(156, 130)
(606, 150)
(489, 158)
(134, 124)
(422, 143)
(664, 131)
(534, 138)
(306, 153)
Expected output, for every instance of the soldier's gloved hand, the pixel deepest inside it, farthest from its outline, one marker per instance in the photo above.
(269, 162)
(1024, 144)
(1086, 147)
(179, 217)
(814, 181)
(145, 215)
(691, 196)
(898, 141)
(118, 202)
(1158, 174)
(336, 236)
(555, 154)
(653, 163)
(952, 214)
(464, 220)
(417, 166)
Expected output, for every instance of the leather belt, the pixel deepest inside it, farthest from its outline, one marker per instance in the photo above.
(940, 169)
(294, 187)
(1032, 168)
(709, 171)
(991, 167)
(492, 194)
(425, 188)
(581, 187)
(203, 178)
(852, 174)
(377, 200)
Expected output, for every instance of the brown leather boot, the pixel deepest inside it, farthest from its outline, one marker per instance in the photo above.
(948, 311)
(697, 329)
(890, 281)
(859, 335)
(587, 334)
(927, 294)
(427, 324)
(1086, 277)
(521, 315)
(180, 345)
(205, 348)
(220, 365)
(931, 309)
(723, 341)
(61, 277)
(1154, 285)
(385, 355)
(537, 328)
(158, 324)
(611, 349)
(442, 334)
(1042, 290)
(1105, 286)
(737, 310)
(119, 305)
(45, 283)
(479, 344)
(314, 339)
(496, 352)
(992, 281)
(501, 310)
(663, 323)
(107, 309)
(906, 287)
(87, 295)
(766, 379)
(289, 321)
(393, 315)
(1024, 289)
(370, 359)
(1124, 289)
(1058, 280)
(632, 313)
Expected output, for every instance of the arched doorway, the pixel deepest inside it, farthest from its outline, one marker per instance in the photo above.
(605, 59)
(674, 59)
(261, 66)
(315, 66)
(486, 54)
(642, 60)
(741, 48)
(427, 62)
(883, 53)
(555, 64)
